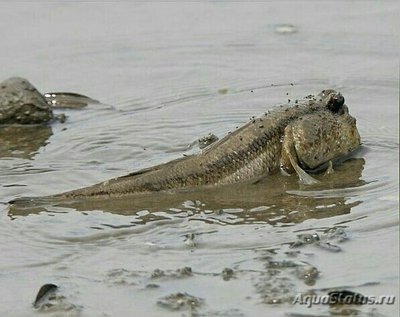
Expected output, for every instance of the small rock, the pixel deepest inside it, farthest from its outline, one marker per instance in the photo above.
(48, 299)
(227, 274)
(285, 29)
(45, 291)
(180, 301)
(207, 140)
(189, 240)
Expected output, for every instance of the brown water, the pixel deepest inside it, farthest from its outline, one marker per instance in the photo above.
(168, 74)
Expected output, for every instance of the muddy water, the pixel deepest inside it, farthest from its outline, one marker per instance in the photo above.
(168, 74)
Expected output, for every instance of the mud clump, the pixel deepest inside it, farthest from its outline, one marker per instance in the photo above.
(50, 299)
(180, 301)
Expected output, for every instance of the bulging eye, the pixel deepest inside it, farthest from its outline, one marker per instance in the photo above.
(333, 100)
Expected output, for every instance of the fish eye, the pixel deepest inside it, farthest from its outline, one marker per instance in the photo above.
(333, 100)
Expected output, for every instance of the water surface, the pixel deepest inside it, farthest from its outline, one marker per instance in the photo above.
(168, 74)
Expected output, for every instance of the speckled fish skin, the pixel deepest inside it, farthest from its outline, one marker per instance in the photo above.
(251, 151)
(316, 143)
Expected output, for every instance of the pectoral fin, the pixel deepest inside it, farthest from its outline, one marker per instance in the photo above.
(303, 176)
(329, 169)
(289, 161)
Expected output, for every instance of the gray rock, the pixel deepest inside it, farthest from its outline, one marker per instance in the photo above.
(22, 103)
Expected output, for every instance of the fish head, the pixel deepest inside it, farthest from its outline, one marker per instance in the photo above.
(327, 135)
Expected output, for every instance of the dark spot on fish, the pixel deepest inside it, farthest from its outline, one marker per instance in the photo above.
(152, 187)
(268, 134)
(254, 146)
(264, 139)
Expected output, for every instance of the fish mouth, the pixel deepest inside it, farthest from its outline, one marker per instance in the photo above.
(323, 138)
(335, 161)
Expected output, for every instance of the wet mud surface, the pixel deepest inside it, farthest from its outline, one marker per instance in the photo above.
(166, 75)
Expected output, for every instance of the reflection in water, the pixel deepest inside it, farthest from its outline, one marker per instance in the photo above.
(68, 100)
(268, 200)
(176, 73)
(23, 141)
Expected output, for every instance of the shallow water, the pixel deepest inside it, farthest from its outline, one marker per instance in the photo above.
(168, 74)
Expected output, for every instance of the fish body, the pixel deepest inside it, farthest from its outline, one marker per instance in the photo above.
(292, 137)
